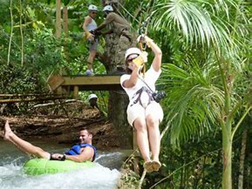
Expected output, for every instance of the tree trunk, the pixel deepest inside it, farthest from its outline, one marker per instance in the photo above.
(65, 20)
(65, 29)
(118, 100)
(58, 18)
(242, 158)
(58, 32)
(248, 177)
(21, 33)
(227, 156)
(11, 33)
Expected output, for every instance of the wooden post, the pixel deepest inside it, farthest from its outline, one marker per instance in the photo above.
(58, 32)
(75, 92)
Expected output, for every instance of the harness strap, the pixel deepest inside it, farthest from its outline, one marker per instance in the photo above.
(139, 93)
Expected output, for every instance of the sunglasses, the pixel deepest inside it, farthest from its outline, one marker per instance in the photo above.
(93, 12)
(131, 59)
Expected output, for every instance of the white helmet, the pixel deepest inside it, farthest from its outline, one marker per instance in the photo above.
(108, 8)
(91, 96)
(92, 8)
(133, 50)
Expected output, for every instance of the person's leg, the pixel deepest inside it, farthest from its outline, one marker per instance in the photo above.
(22, 144)
(90, 59)
(136, 118)
(154, 139)
(154, 136)
(90, 71)
(154, 115)
(92, 53)
(142, 138)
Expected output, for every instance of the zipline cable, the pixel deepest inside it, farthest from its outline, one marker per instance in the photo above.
(144, 24)
(125, 18)
(128, 13)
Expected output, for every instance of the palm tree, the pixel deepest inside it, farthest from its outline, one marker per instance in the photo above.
(207, 83)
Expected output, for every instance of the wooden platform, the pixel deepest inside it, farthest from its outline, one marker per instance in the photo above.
(85, 83)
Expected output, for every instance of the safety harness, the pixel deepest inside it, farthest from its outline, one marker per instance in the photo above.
(139, 93)
(146, 89)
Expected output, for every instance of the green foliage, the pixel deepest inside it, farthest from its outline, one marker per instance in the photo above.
(199, 39)
(195, 165)
(128, 180)
(17, 80)
(42, 56)
(196, 21)
(192, 98)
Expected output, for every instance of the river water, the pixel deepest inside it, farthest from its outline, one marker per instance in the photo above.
(103, 176)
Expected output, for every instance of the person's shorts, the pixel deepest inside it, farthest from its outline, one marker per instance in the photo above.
(92, 45)
(137, 111)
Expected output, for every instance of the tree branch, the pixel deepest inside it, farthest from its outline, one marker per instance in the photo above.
(21, 34)
(11, 34)
(240, 121)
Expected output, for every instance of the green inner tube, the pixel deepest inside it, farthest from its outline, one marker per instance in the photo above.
(39, 166)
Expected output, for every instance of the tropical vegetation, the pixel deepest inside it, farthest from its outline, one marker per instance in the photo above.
(206, 73)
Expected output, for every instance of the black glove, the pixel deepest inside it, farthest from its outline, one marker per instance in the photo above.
(97, 32)
(59, 158)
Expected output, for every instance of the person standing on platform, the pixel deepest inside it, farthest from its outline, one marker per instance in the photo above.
(121, 28)
(89, 26)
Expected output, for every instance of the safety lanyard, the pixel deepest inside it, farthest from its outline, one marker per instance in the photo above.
(145, 84)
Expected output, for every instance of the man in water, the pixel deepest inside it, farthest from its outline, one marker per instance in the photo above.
(84, 151)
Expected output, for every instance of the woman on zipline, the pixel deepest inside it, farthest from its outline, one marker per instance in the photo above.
(143, 112)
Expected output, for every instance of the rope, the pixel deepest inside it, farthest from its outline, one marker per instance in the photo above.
(146, 22)
(144, 26)
(124, 17)
(128, 13)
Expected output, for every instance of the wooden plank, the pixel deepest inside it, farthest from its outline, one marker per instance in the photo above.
(30, 99)
(94, 88)
(54, 81)
(91, 80)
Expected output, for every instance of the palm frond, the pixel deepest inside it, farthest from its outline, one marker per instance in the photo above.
(193, 97)
(203, 22)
